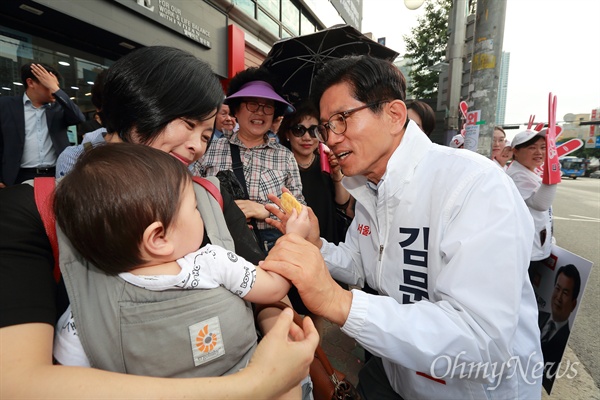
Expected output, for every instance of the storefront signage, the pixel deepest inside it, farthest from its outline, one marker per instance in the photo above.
(175, 15)
(350, 11)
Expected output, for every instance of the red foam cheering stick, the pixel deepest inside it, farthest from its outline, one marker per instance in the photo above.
(551, 174)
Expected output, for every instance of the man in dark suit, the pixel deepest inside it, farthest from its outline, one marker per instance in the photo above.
(33, 127)
(554, 327)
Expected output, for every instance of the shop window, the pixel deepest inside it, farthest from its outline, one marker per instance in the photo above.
(266, 21)
(246, 6)
(306, 26)
(271, 7)
(77, 72)
(290, 17)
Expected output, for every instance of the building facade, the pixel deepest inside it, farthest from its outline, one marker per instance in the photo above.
(81, 38)
(502, 86)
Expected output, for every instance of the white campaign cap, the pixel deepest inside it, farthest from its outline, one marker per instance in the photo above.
(525, 136)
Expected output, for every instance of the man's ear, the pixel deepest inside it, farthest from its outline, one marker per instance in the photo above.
(398, 114)
(155, 241)
(573, 304)
(29, 82)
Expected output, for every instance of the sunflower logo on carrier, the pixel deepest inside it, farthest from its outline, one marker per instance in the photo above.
(206, 340)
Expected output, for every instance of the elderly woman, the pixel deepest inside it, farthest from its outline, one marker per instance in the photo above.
(261, 166)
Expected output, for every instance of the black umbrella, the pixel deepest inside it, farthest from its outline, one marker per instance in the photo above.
(296, 60)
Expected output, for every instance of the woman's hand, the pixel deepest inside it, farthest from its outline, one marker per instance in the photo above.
(334, 164)
(285, 353)
(252, 209)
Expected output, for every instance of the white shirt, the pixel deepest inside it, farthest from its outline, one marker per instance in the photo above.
(38, 151)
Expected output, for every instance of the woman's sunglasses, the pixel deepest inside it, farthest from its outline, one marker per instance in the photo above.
(300, 130)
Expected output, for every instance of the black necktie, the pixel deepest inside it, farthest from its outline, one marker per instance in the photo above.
(551, 328)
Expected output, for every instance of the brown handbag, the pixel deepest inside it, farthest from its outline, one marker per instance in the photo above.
(328, 383)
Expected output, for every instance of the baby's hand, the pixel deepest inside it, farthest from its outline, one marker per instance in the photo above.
(299, 223)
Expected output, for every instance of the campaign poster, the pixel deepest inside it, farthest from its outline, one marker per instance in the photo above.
(558, 283)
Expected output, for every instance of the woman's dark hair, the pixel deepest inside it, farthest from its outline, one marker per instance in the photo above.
(501, 130)
(425, 112)
(371, 79)
(113, 194)
(304, 109)
(249, 75)
(152, 86)
(98, 89)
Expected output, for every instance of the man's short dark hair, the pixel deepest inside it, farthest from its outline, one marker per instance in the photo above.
(26, 73)
(570, 271)
(371, 79)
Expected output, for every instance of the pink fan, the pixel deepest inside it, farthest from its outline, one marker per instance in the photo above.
(530, 124)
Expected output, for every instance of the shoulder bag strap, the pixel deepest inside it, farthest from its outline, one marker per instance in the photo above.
(238, 167)
(238, 170)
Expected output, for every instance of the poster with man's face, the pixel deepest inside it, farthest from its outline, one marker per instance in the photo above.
(558, 283)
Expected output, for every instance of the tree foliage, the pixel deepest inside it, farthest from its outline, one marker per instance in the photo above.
(583, 152)
(426, 46)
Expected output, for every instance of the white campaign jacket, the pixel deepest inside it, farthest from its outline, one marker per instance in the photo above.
(528, 183)
(446, 240)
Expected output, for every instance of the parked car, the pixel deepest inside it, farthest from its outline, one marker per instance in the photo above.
(595, 174)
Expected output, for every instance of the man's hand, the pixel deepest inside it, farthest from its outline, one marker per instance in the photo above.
(46, 79)
(276, 209)
(299, 261)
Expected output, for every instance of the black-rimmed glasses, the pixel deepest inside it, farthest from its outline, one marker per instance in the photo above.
(337, 122)
(300, 130)
(254, 106)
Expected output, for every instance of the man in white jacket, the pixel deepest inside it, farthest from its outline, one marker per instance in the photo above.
(456, 317)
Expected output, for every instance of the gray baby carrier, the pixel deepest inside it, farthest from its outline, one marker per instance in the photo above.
(173, 333)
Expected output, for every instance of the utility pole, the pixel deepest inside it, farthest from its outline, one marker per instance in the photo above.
(458, 27)
(485, 73)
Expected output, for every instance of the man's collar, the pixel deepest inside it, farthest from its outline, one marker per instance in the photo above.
(26, 99)
(557, 325)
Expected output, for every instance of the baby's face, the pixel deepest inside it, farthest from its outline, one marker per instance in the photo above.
(187, 229)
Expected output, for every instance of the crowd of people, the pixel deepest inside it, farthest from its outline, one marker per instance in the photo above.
(180, 189)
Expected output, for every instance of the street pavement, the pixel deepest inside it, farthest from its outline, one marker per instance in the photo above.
(347, 356)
